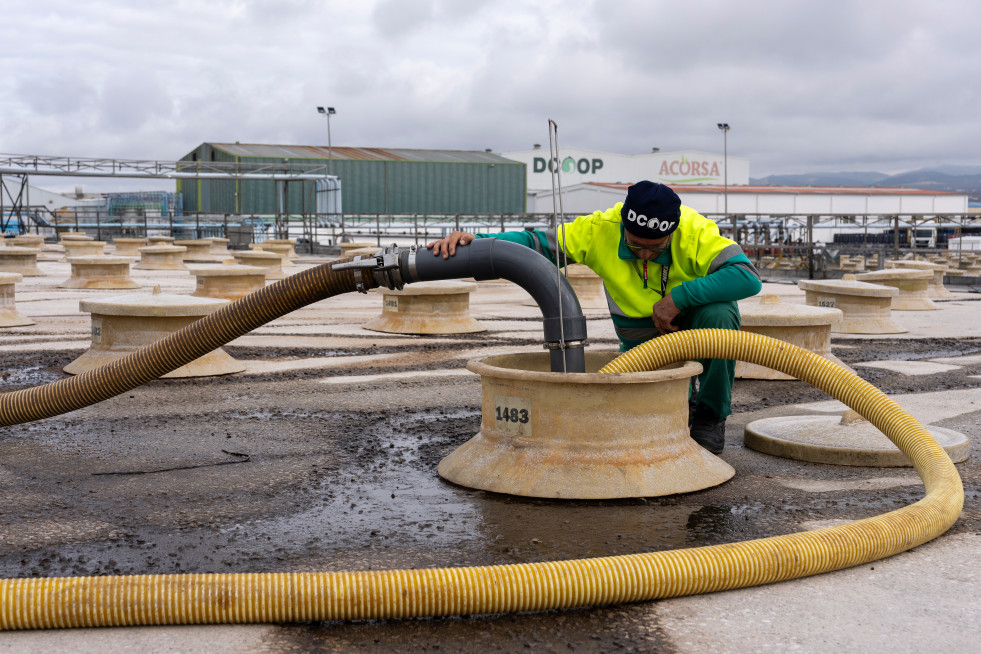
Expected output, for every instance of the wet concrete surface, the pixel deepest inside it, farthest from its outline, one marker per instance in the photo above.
(278, 472)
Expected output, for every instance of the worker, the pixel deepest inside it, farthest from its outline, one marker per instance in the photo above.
(665, 267)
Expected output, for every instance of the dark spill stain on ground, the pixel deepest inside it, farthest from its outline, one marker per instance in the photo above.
(328, 489)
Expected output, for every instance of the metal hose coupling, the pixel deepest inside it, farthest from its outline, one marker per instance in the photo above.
(384, 267)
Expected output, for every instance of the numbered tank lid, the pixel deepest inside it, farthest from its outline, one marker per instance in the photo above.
(769, 311)
(160, 249)
(156, 304)
(257, 255)
(100, 258)
(447, 287)
(847, 287)
(17, 249)
(894, 274)
(917, 265)
(228, 269)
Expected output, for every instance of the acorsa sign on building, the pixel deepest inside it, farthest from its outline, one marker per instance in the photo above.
(580, 165)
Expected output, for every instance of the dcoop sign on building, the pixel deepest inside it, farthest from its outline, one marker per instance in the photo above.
(578, 166)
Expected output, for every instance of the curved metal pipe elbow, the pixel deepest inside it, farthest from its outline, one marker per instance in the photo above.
(491, 258)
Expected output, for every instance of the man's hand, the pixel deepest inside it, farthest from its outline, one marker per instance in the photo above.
(447, 245)
(665, 312)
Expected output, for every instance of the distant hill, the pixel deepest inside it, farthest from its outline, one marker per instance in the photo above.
(957, 170)
(955, 179)
(822, 179)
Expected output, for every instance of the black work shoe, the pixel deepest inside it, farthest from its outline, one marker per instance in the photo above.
(708, 430)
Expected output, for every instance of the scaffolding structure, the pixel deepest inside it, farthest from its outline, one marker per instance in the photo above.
(32, 164)
(17, 212)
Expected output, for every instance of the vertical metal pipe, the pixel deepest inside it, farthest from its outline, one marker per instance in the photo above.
(895, 236)
(810, 247)
(558, 217)
(27, 190)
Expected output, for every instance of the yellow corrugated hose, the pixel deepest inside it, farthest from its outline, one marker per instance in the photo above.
(288, 597)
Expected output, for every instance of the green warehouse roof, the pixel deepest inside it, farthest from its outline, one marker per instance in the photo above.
(363, 154)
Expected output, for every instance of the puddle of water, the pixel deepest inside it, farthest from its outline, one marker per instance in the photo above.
(899, 355)
(382, 504)
(392, 494)
(29, 376)
(832, 485)
(387, 493)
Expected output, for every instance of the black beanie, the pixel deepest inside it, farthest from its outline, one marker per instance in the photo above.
(650, 210)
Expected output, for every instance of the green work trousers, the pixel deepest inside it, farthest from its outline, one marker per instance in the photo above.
(718, 375)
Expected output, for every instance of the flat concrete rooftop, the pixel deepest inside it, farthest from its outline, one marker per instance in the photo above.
(343, 428)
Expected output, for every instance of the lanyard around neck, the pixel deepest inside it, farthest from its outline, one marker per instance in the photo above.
(665, 269)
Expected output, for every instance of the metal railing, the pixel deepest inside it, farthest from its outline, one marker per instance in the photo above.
(31, 164)
(786, 237)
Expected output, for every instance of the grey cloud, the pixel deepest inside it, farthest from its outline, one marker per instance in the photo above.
(62, 93)
(397, 18)
(271, 13)
(685, 36)
(400, 18)
(130, 100)
(864, 84)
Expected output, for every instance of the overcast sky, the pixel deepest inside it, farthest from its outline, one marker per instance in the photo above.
(884, 85)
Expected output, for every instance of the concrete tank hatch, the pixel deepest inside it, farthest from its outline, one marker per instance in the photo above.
(846, 440)
(912, 286)
(128, 247)
(866, 308)
(229, 281)
(125, 323)
(100, 271)
(441, 307)
(802, 325)
(9, 315)
(22, 261)
(582, 435)
(161, 257)
(935, 289)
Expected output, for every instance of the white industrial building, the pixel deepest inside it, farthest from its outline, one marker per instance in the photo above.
(712, 199)
(38, 197)
(715, 186)
(837, 209)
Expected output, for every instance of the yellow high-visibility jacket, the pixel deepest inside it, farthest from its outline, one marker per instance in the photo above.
(702, 265)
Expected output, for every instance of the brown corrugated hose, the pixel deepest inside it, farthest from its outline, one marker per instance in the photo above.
(181, 347)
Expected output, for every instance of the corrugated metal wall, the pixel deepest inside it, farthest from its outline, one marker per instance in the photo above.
(369, 186)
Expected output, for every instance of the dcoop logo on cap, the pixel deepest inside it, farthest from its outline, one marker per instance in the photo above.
(650, 223)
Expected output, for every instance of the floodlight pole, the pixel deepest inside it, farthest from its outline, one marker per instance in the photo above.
(329, 111)
(725, 176)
